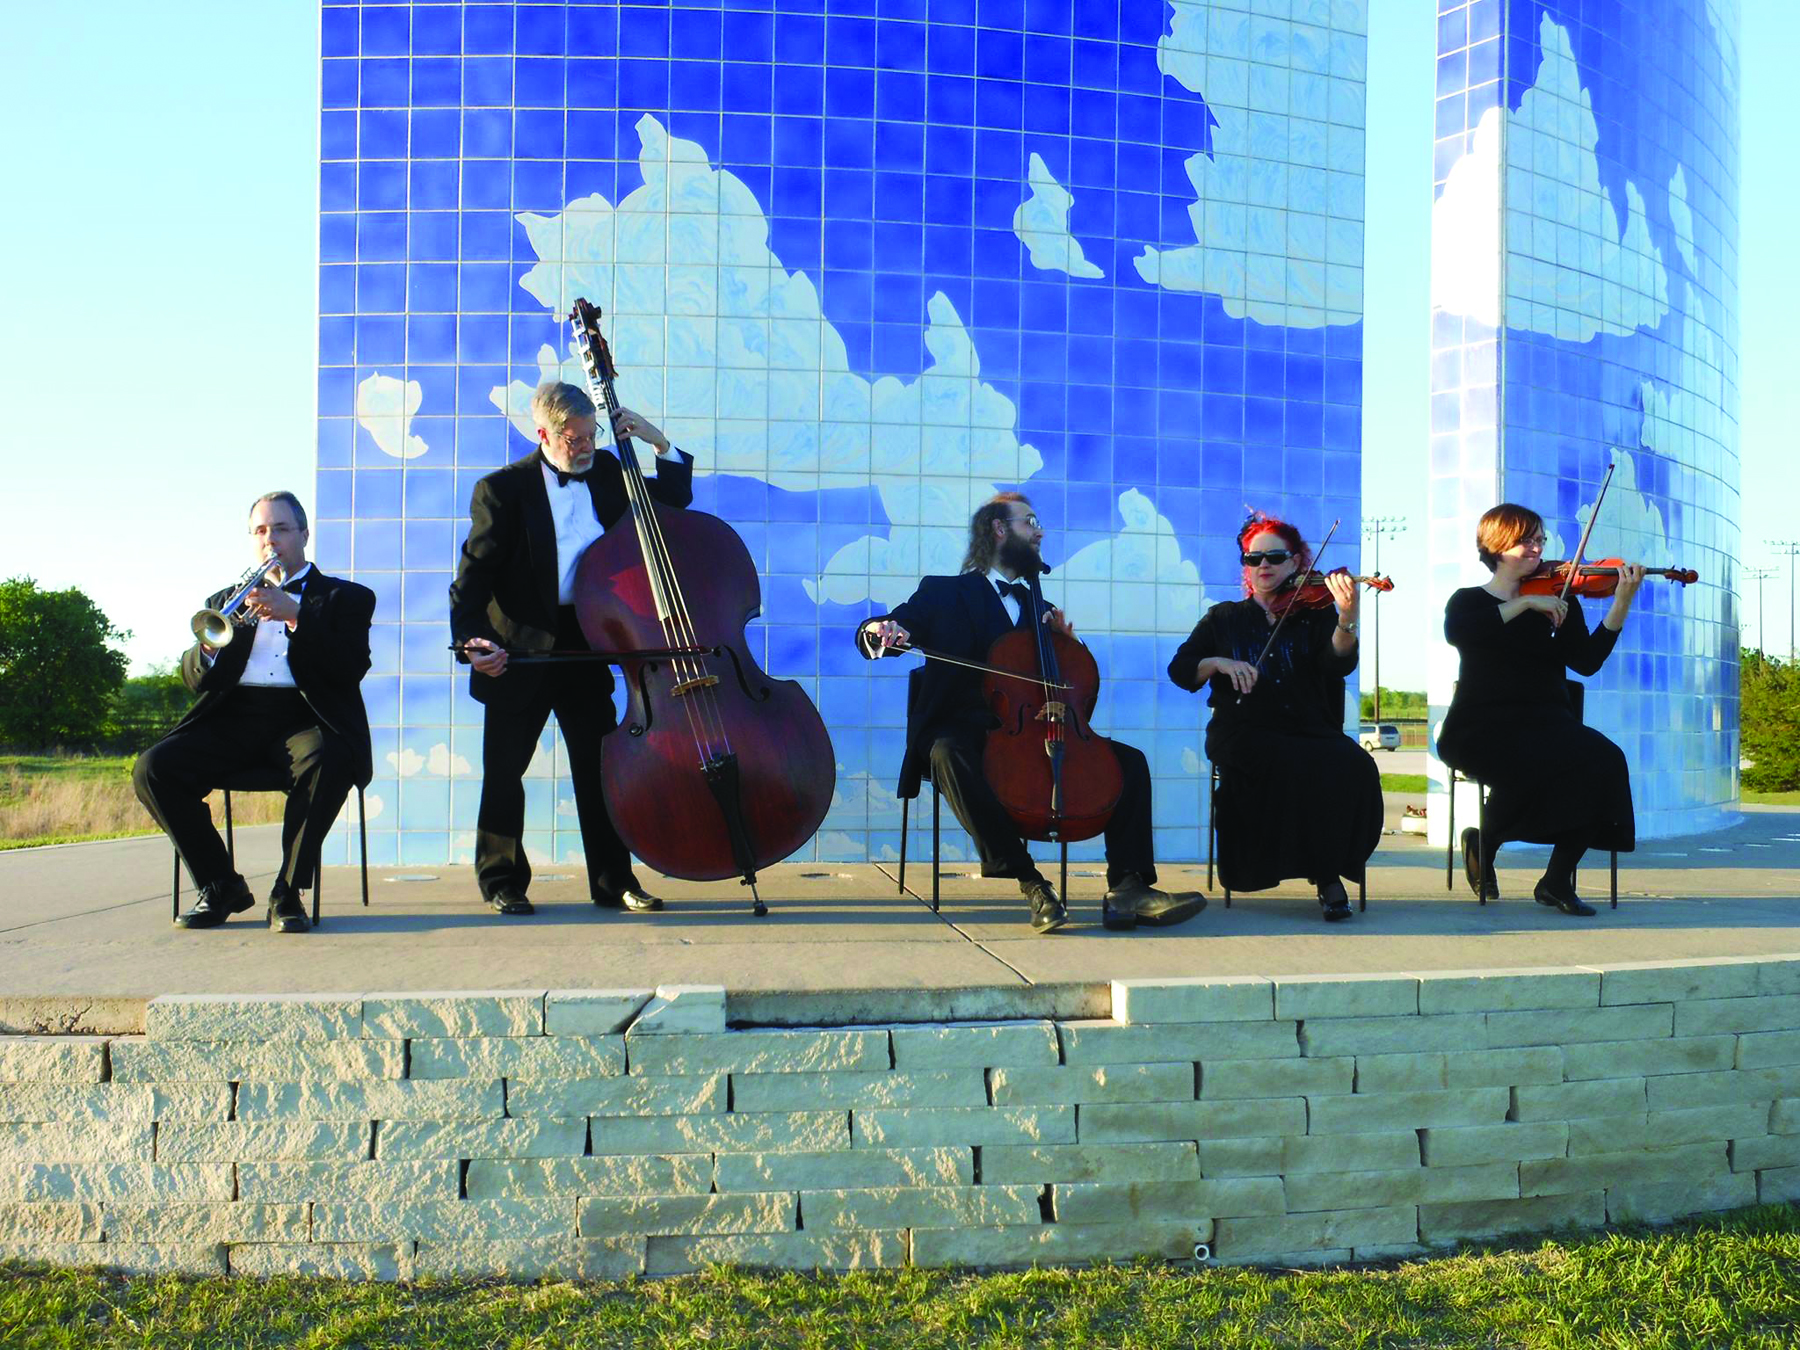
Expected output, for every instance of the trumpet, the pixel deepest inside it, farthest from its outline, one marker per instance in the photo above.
(216, 627)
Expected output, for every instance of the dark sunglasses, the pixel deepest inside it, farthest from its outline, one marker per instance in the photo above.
(1274, 557)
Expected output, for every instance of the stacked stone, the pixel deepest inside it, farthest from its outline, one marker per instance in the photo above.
(608, 1133)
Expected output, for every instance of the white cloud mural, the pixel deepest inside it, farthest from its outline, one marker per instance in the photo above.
(1630, 525)
(1042, 225)
(385, 408)
(1278, 235)
(1138, 576)
(746, 370)
(1572, 272)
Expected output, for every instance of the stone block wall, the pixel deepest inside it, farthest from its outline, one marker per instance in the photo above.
(607, 1133)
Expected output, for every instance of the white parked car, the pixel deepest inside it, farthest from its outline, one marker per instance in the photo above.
(1382, 736)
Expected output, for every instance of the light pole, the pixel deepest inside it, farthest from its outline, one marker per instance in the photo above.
(1373, 527)
(1759, 575)
(1791, 549)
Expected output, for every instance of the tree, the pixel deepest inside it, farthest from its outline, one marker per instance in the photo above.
(58, 674)
(145, 709)
(1769, 722)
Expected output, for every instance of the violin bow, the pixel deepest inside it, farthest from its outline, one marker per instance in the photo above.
(1291, 606)
(1581, 548)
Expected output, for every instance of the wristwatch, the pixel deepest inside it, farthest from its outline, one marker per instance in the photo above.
(1349, 628)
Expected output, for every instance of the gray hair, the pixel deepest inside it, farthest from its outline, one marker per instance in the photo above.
(293, 504)
(555, 403)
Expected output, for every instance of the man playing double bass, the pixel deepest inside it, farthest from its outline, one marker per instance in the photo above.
(514, 592)
(947, 721)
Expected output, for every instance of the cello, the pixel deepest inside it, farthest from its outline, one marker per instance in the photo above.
(721, 770)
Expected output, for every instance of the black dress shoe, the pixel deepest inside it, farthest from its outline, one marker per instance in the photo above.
(1048, 912)
(637, 902)
(1333, 901)
(1148, 905)
(1485, 877)
(217, 903)
(1561, 895)
(286, 913)
(507, 900)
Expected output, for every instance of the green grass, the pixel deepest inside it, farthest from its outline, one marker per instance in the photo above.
(1730, 1283)
(69, 766)
(1771, 798)
(1403, 782)
(69, 799)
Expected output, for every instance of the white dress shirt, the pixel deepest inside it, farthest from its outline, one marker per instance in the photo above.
(998, 579)
(572, 512)
(268, 663)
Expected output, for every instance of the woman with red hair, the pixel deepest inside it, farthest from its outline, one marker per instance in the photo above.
(1511, 724)
(1277, 727)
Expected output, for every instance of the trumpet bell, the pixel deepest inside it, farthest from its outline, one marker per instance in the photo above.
(212, 627)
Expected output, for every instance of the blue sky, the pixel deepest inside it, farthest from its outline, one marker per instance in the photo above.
(155, 149)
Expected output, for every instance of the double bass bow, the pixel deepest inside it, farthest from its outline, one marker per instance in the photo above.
(721, 770)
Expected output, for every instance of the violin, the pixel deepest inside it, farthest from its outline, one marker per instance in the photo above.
(1056, 778)
(1309, 591)
(720, 770)
(1595, 580)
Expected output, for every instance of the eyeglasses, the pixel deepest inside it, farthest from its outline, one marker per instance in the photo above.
(1274, 557)
(1029, 522)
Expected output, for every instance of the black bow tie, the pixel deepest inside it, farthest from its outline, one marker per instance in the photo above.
(1017, 590)
(295, 587)
(564, 479)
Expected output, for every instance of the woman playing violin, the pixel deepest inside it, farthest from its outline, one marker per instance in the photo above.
(1300, 799)
(1511, 725)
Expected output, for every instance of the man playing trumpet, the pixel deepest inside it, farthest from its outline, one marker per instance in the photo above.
(278, 670)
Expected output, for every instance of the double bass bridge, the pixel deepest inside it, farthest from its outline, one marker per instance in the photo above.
(683, 687)
(1054, 710)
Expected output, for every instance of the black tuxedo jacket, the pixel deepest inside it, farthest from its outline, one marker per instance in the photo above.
(506, 584)
(328, 655)
(959, 616)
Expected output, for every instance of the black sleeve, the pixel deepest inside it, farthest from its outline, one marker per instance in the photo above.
(338, 652)
(1201, 643)
(489, 545)
(913, 614)
(673, 484)
(1584, 650)
(1330, 662)
(1472, 619)
(194, 665)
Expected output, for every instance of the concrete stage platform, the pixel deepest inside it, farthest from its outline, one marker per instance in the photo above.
(85, 935)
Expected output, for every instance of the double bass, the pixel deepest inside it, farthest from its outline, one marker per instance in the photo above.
(717, 769)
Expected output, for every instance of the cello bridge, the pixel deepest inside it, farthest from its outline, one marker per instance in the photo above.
(698, 682)
(1053, 711)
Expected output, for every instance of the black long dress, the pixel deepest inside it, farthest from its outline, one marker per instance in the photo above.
(1511, 725)
(1297, 797)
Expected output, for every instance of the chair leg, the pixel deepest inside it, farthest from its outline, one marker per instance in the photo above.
(362, 837)
(1615, 878)
(935, 866)
(1450, 844)
(175, 887)
(904, 804)
(1063, 888)
(1362, 895)
(1481, 839)
(318, 885)
(230, 836)
(1212, 824)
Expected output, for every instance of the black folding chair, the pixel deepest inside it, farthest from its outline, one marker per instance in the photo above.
(1577, 701)
(275, 780)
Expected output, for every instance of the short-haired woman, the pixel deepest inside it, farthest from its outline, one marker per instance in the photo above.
(1511, 725)
(1303, 799)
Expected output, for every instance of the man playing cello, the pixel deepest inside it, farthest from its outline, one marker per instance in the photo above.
(947, 721)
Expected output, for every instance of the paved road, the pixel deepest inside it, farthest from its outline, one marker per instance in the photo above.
(87, 923)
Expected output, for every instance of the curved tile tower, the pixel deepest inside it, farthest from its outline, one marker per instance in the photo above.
(1584, 312)
(868, 261)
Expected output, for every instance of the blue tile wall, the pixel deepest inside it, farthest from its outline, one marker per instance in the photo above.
(1592, 319)
(869, 263)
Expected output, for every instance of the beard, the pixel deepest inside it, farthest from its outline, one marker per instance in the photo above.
(1016, 555)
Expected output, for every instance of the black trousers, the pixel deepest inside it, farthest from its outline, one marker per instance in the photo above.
(254, 728)
(580, 694)
(956, 770)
